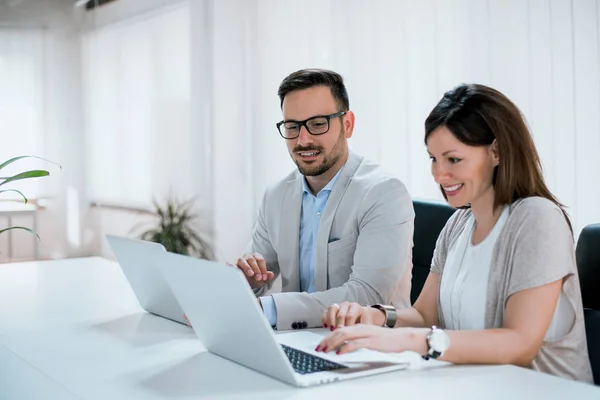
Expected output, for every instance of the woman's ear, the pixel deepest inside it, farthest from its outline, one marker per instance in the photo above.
(495, 154)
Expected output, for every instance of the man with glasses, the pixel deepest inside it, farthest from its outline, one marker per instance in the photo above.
(337, 230)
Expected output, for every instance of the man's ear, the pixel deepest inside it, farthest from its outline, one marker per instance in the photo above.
(348, 121)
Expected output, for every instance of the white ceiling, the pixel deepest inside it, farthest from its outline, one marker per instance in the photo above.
(28, 13)
(18, 3)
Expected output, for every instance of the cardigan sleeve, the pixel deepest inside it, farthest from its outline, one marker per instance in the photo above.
(543, 250)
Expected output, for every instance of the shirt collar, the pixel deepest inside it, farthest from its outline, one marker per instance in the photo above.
(327, 187)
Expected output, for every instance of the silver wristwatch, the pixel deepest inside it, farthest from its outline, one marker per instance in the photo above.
(390, 314)
(437, 343)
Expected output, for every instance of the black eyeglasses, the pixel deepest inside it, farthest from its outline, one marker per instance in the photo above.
(317, 125)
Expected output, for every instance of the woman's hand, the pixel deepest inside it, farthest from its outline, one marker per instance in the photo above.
(377, 338)
(348, 314)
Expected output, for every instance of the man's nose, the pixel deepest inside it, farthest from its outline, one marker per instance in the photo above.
(304, 138)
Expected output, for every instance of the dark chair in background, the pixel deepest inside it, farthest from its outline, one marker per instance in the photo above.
(588, 266)
(430, 218)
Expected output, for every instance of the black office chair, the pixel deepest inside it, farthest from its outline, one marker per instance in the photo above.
(588, 266)
(430, 218)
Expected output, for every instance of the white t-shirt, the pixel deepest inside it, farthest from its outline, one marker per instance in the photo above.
(463, 290)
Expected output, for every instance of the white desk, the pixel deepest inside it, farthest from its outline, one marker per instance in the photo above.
(14, 372)
(10, 209)
(72, 329)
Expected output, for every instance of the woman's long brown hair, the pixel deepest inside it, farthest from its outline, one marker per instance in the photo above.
(477, 115)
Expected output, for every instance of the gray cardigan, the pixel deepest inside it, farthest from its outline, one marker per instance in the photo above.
(534, 248)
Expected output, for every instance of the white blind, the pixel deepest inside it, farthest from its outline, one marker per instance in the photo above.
(136, 92)
(21, 104)
(399, 57)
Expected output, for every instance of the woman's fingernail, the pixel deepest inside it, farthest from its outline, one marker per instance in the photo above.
(324, 325)
(317, 348)
(332, 328)
(338, 352)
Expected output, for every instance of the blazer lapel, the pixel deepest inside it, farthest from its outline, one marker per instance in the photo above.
(335, 197)
(289, 230)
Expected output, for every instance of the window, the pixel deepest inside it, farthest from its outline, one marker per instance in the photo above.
(136, 79)
(21, 103)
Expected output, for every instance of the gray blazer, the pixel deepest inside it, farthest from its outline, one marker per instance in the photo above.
(363, 249)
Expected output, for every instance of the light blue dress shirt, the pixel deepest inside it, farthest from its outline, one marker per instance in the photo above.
(312, 209)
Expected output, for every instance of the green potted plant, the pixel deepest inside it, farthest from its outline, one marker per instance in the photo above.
(34, 173)
(175, 230)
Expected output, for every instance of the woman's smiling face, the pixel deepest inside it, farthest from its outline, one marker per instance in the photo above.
(465, 173)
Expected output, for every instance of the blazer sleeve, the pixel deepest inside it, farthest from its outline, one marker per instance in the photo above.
(384, 243)
(261, 244)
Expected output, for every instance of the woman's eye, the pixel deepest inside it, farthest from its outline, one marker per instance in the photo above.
(432, 159)
(454, 160)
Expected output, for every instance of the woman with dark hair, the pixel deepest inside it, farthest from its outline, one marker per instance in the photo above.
(503, 286)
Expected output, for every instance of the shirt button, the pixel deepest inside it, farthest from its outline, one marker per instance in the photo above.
(318, 214)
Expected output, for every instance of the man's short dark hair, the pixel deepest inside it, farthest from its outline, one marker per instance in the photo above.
(308, 78)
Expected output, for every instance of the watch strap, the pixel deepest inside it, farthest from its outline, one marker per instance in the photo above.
(390, 314)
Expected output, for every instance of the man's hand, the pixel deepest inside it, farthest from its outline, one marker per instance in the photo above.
(348, 314)
(254, 268)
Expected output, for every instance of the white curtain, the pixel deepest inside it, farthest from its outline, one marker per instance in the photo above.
(136, 79)
(22, 109)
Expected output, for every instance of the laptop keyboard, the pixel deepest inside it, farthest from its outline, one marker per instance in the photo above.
(305, 363)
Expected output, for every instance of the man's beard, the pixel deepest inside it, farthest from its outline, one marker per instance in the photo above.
(328, 160)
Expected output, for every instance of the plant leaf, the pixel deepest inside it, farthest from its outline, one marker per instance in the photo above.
(175, 230)
(16, 191)
(35, 173)
(12, 160)
(20, 227)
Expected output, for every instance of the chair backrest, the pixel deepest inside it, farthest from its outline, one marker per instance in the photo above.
(592, 332)
(430, 218)
(588, 267)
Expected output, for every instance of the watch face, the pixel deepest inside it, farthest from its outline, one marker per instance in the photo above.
(439, 340)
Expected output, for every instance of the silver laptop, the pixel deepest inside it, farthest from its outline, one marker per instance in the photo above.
(228, 320)
(137, 259)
